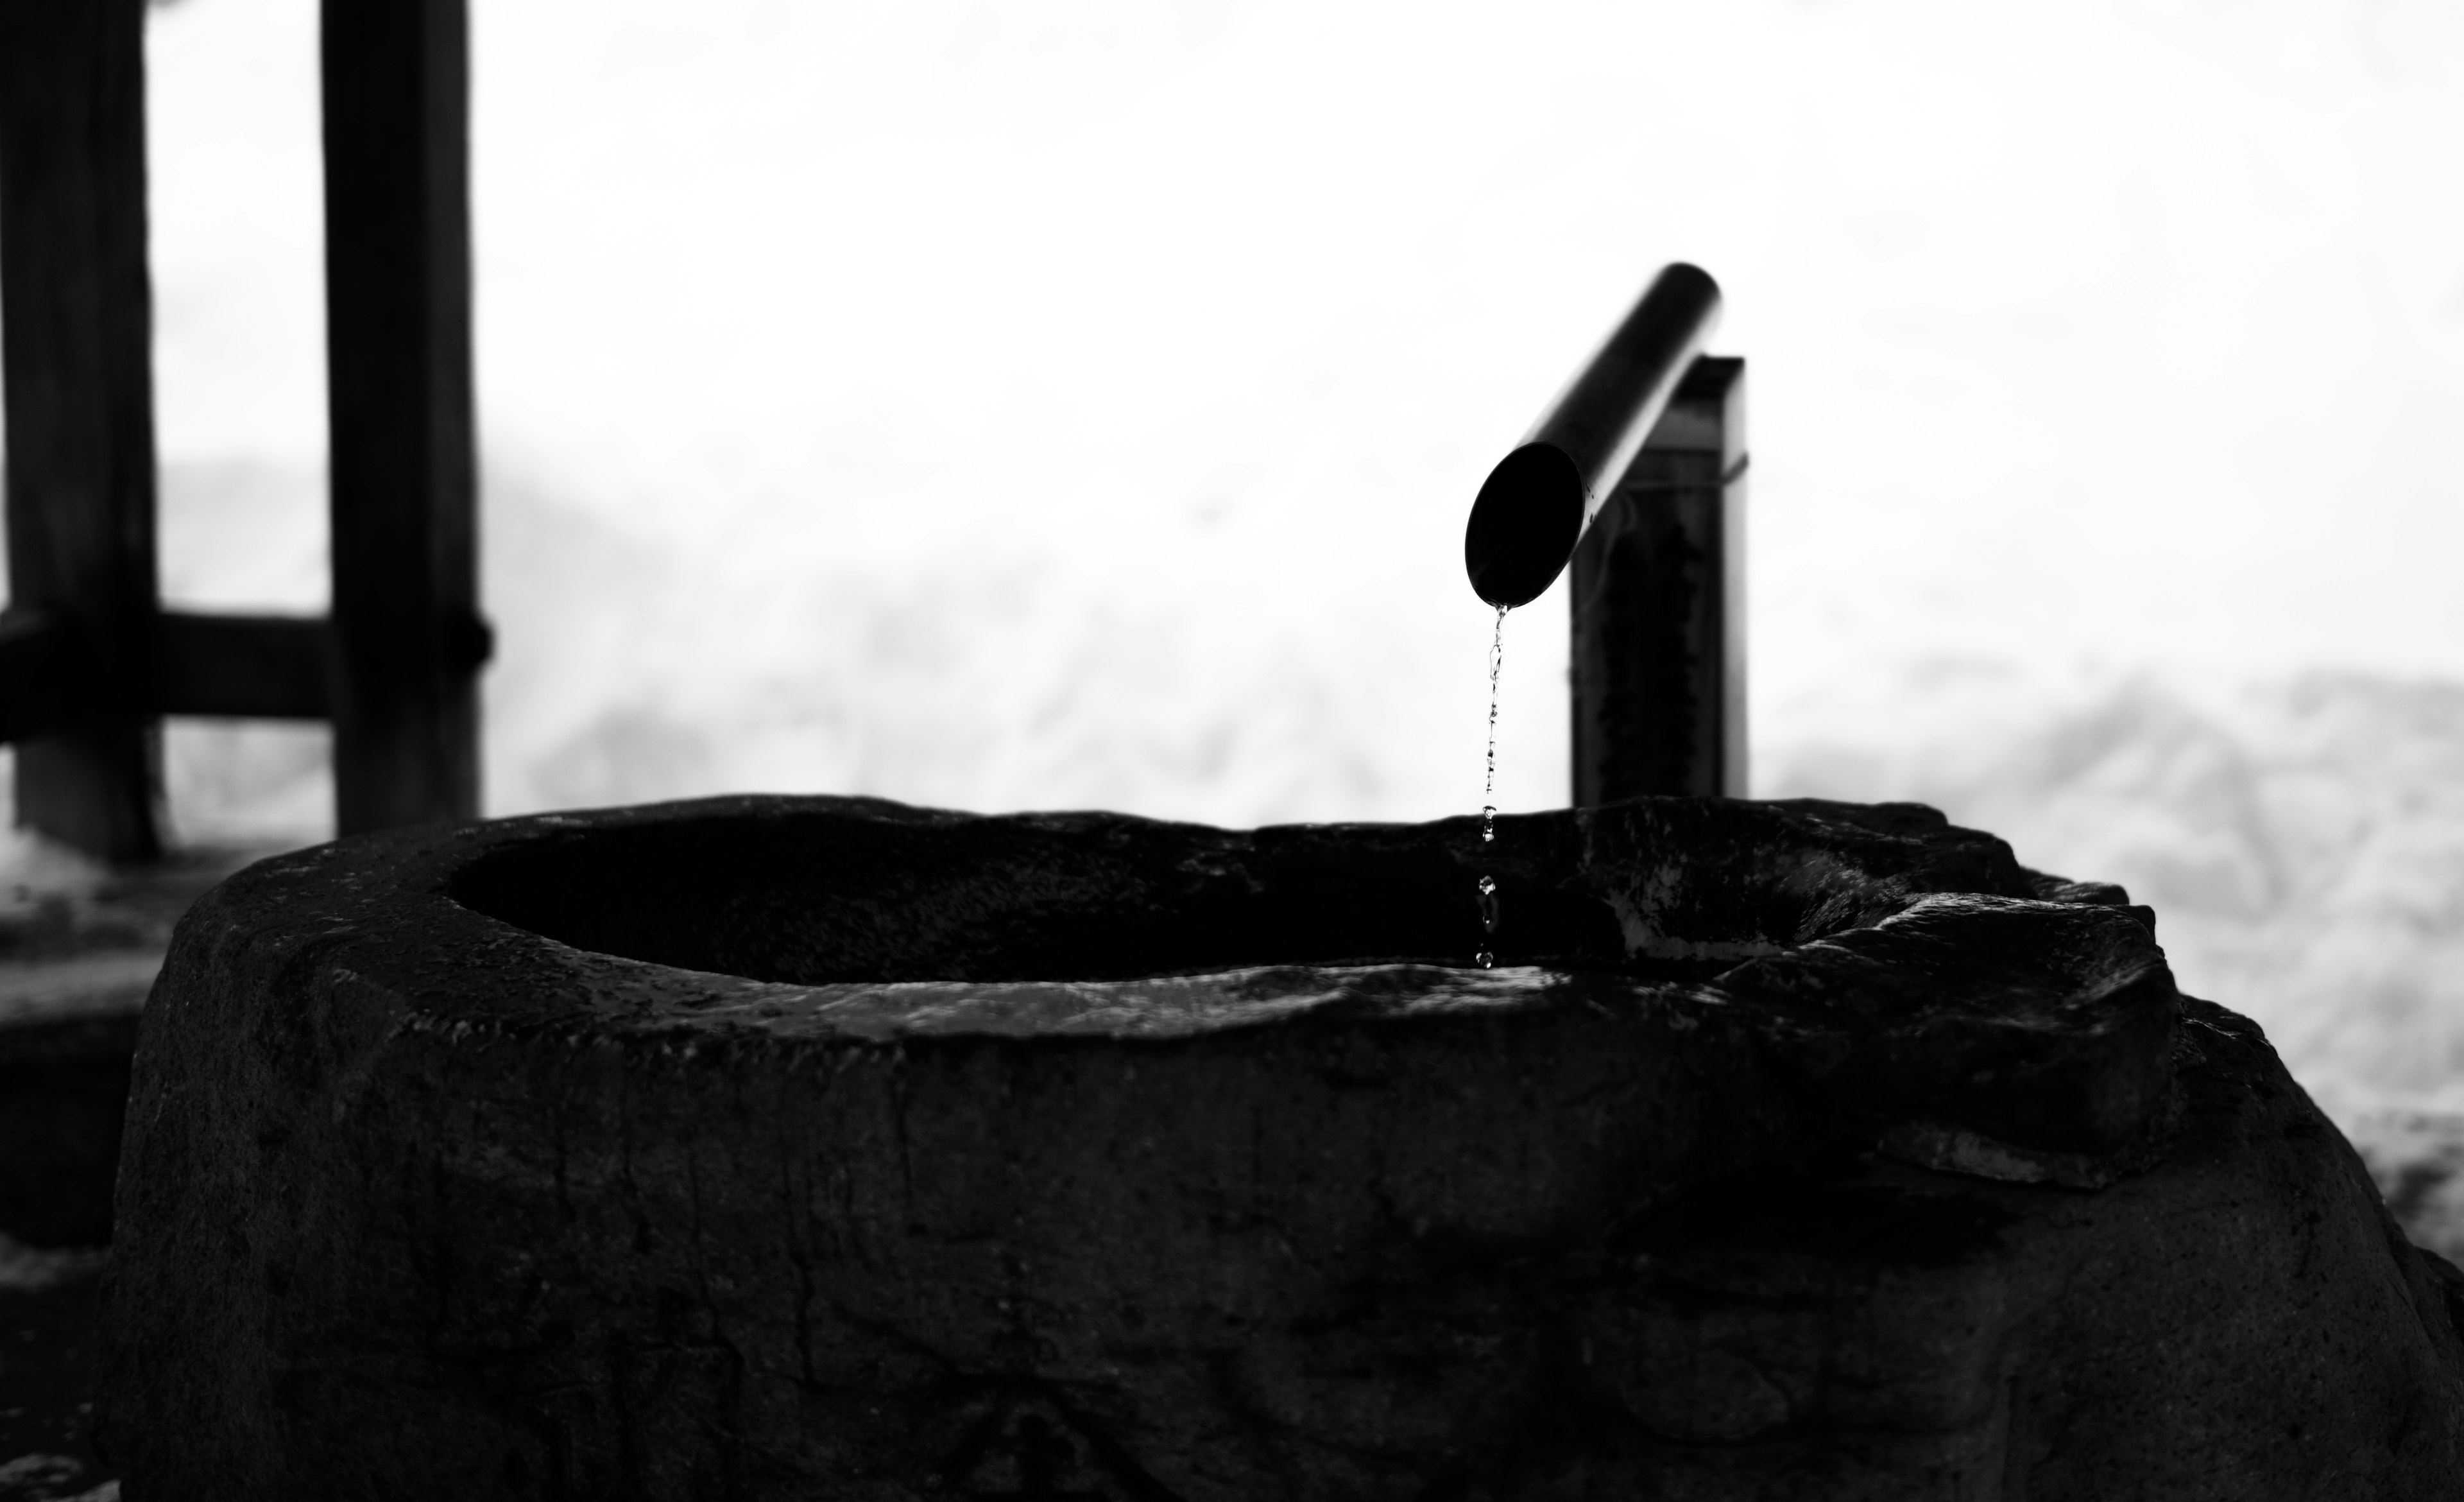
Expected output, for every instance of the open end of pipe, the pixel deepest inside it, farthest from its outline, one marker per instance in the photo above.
(1524, 525)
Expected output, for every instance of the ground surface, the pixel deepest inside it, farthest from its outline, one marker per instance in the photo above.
(47, 1304)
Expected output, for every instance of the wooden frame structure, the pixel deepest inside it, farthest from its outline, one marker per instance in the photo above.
(89, 660)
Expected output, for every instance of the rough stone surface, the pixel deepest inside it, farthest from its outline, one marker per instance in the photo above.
(775, 1148)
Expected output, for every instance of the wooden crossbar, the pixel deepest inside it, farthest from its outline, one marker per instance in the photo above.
(246, 667)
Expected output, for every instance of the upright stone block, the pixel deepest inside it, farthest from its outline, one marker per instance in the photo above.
(822, 1147)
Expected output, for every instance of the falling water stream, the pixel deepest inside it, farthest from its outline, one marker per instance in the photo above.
(1487, 955)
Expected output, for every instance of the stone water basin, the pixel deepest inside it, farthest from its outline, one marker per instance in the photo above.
(828, 1148)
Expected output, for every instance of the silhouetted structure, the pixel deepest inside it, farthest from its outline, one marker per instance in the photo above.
(88, 659)
(1634, 476)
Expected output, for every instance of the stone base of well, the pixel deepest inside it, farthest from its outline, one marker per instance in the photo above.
(777, 1148)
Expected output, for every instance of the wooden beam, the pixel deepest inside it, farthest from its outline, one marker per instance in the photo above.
(1659, 665)
(253, 667)
(398, 356)
(248, 667)
(76, 361)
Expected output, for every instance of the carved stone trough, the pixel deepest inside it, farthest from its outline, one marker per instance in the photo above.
(774, 1148)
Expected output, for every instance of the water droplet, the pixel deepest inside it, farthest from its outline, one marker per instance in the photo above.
(1488, 885)
(1488, 961)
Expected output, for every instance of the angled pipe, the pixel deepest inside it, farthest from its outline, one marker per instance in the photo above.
(1537, 503)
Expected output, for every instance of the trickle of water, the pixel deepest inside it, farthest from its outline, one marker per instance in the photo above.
(1486, 958)
(1488, 782)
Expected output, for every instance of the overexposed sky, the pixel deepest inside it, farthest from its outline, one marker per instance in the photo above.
(1002, 405)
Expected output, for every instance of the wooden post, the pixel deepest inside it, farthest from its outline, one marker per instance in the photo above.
(398, 352)
(1658, 666)
(76, 365)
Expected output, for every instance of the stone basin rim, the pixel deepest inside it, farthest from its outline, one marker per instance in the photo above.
(417, 884)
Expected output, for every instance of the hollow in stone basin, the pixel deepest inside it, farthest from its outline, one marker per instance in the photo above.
(830, 1148)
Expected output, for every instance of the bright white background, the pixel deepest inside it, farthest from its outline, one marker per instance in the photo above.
(1076, 403)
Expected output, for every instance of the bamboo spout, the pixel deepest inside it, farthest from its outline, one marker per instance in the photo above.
(1537, 504)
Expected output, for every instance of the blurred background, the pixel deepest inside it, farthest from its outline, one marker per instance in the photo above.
(1077, 403)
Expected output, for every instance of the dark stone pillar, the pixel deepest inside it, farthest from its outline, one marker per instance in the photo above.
(1657, 602)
